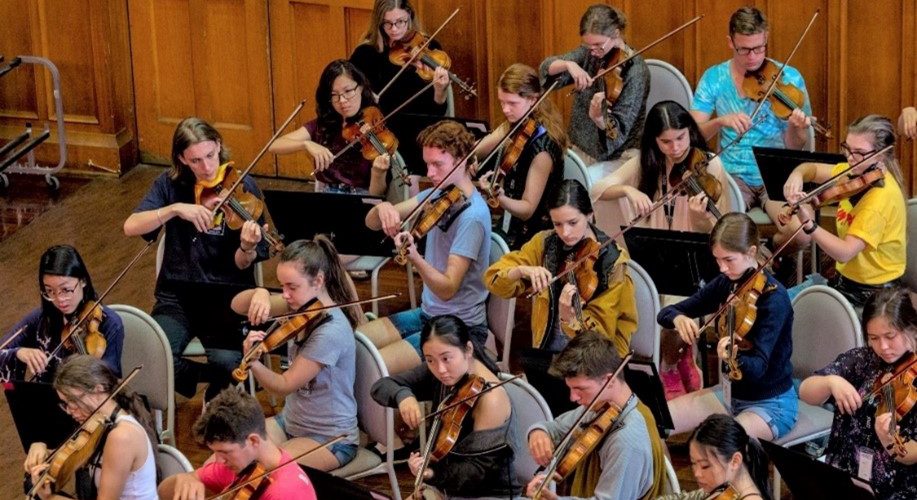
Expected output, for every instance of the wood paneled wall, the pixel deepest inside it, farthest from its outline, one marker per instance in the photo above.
(245, 64)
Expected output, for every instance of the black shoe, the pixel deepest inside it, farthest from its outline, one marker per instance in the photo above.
(399, 456)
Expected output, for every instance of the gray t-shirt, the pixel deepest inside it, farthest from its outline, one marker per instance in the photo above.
(467, 236)
(326, 405)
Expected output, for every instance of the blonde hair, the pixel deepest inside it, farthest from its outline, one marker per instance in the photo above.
(882, 132)
(375, 35)
(523, 80)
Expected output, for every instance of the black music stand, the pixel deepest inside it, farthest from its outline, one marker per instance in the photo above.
(302, 215)
(37, 414)
(776, 165)
(679, 262)
(813, 480)
(328, 486)
(643, 379)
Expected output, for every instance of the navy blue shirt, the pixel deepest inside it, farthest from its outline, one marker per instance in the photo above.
(766, 367)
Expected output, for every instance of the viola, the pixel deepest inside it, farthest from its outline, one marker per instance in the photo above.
(693, 170)
(250, 483)
(785, 97)
(84, 336)
(588, 437)
(583, 276)
(510, 156)
(614, 81)
(376, 140)
(414, 47)
(431, 214)
(724, 491)
(240, 205)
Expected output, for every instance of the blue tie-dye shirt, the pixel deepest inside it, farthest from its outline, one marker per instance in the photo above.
(717, 94)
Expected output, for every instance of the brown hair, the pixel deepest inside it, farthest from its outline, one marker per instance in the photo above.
(523, 80)
(882, 132)
(375, 35)
(589, 354)
(735, 232)
(601, 19)
(448, 135)
(230, 418)
(320, 255)
(747, 21)
(189, 132)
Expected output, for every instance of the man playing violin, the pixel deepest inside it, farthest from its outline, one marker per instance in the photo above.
(232, 427)
(719, 92)
(628, 460)
(456, 255)
(204, 262)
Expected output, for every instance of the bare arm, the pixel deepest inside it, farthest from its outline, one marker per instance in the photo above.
(300, 373)
(535, 183)
(125, 448)
(708, 127)
(293, 142)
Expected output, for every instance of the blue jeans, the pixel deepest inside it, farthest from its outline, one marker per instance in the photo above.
(778, 412)
(344, 452)
(410, 324)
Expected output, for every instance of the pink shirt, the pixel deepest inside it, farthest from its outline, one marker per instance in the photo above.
(287, 482)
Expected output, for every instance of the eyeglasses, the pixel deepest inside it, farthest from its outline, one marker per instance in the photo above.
(346, 95)
(595, 47)
(74, 401)
(855, 154)
(400, 23)
(63, 293)
(744, 51)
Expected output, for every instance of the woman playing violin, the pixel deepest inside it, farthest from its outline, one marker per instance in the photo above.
(763, 400)
(870, 244)
(342, 95)
(539, 159)
(233, 428)
(627, 461)
(860, 433)
(205, 262)
(65, 288)
(456, 254)
(723, 457)
(599, 129)
(480, 463)
(319, 383)
(124, 464)
(560, 310)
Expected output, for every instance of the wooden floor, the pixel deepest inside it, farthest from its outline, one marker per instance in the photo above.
(89, 215)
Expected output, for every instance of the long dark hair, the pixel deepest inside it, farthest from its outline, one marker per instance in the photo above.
(893, 304)
(319, 254)
(571, 192)
(329, 121)
(725, 436)
(453, 331)
(665, 115)
(62, 260)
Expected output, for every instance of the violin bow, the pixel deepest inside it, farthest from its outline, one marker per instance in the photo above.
(325, 308)
(875, 392)
(416, 54)
(562, 445)
(257, 158)
(282, 464)
(773, 85)
(98, 300)
(644, 49)
(453, 404)
(830, 182)
(50, 458)
(12, 337)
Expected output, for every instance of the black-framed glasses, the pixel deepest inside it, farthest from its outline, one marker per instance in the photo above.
(346, 95)
(399, 23)
(744, 51)
(854, 153)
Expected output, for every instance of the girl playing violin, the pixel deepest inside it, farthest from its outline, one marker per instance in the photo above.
(870, 244)
(600, 130)
(65, 288)
(456, 254)
(763, 400)
(205, 262)
(539, 160)
(124, 464)
(319, 383)
(860, 433)
(343, 93)
(480, 463)
(724, 457)
(560, 310)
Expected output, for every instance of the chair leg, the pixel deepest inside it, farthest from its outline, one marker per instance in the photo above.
(412, 295)
(374, 284)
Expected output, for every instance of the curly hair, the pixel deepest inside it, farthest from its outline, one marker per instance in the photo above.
(230, 418)
(448, 135)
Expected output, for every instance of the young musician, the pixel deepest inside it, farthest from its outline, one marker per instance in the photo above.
(719, 92)
(65, 288)
(860, 442)
(232, 427)
(628, 461)
(724, 456)
(559, 312)
(319, 382)
(764, 400)
(124, 463)
(602, 131)
(456, 255)
(539, 167)
(480, 463)
(340, 98)
(205, 262)
(870, 245)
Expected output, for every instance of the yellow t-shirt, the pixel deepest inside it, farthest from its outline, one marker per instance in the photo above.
(879, 220)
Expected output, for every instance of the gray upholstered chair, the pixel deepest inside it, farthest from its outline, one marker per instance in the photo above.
(645, 341)
(501, 313)
(171, 461)
(667, 84)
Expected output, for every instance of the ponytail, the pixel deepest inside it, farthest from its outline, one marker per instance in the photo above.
(725, 436)
(319, 255)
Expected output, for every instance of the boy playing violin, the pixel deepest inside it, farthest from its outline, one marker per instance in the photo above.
(628, 460)
(233, 428)
(456, 254)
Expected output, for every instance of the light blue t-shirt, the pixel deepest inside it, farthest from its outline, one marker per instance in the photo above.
(468, 236)
(717, 94)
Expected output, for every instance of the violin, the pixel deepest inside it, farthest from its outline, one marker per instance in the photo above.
(430, 216)
(724, 491)
(785, 97)
(510, 156)
(614, 81)
(250, 483)
(403, 52)
(588, 438)
(693, 170)
(740, 317)
(898, 396)
(84, 336)
(377, 140)
(583, 276)
(240, 206)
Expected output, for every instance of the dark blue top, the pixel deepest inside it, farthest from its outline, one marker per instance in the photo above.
(766, 367)
(193, 256)
(36, 335)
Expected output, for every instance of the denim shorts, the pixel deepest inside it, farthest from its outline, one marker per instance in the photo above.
(411, 322)
(778, 412)
(344, 452)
